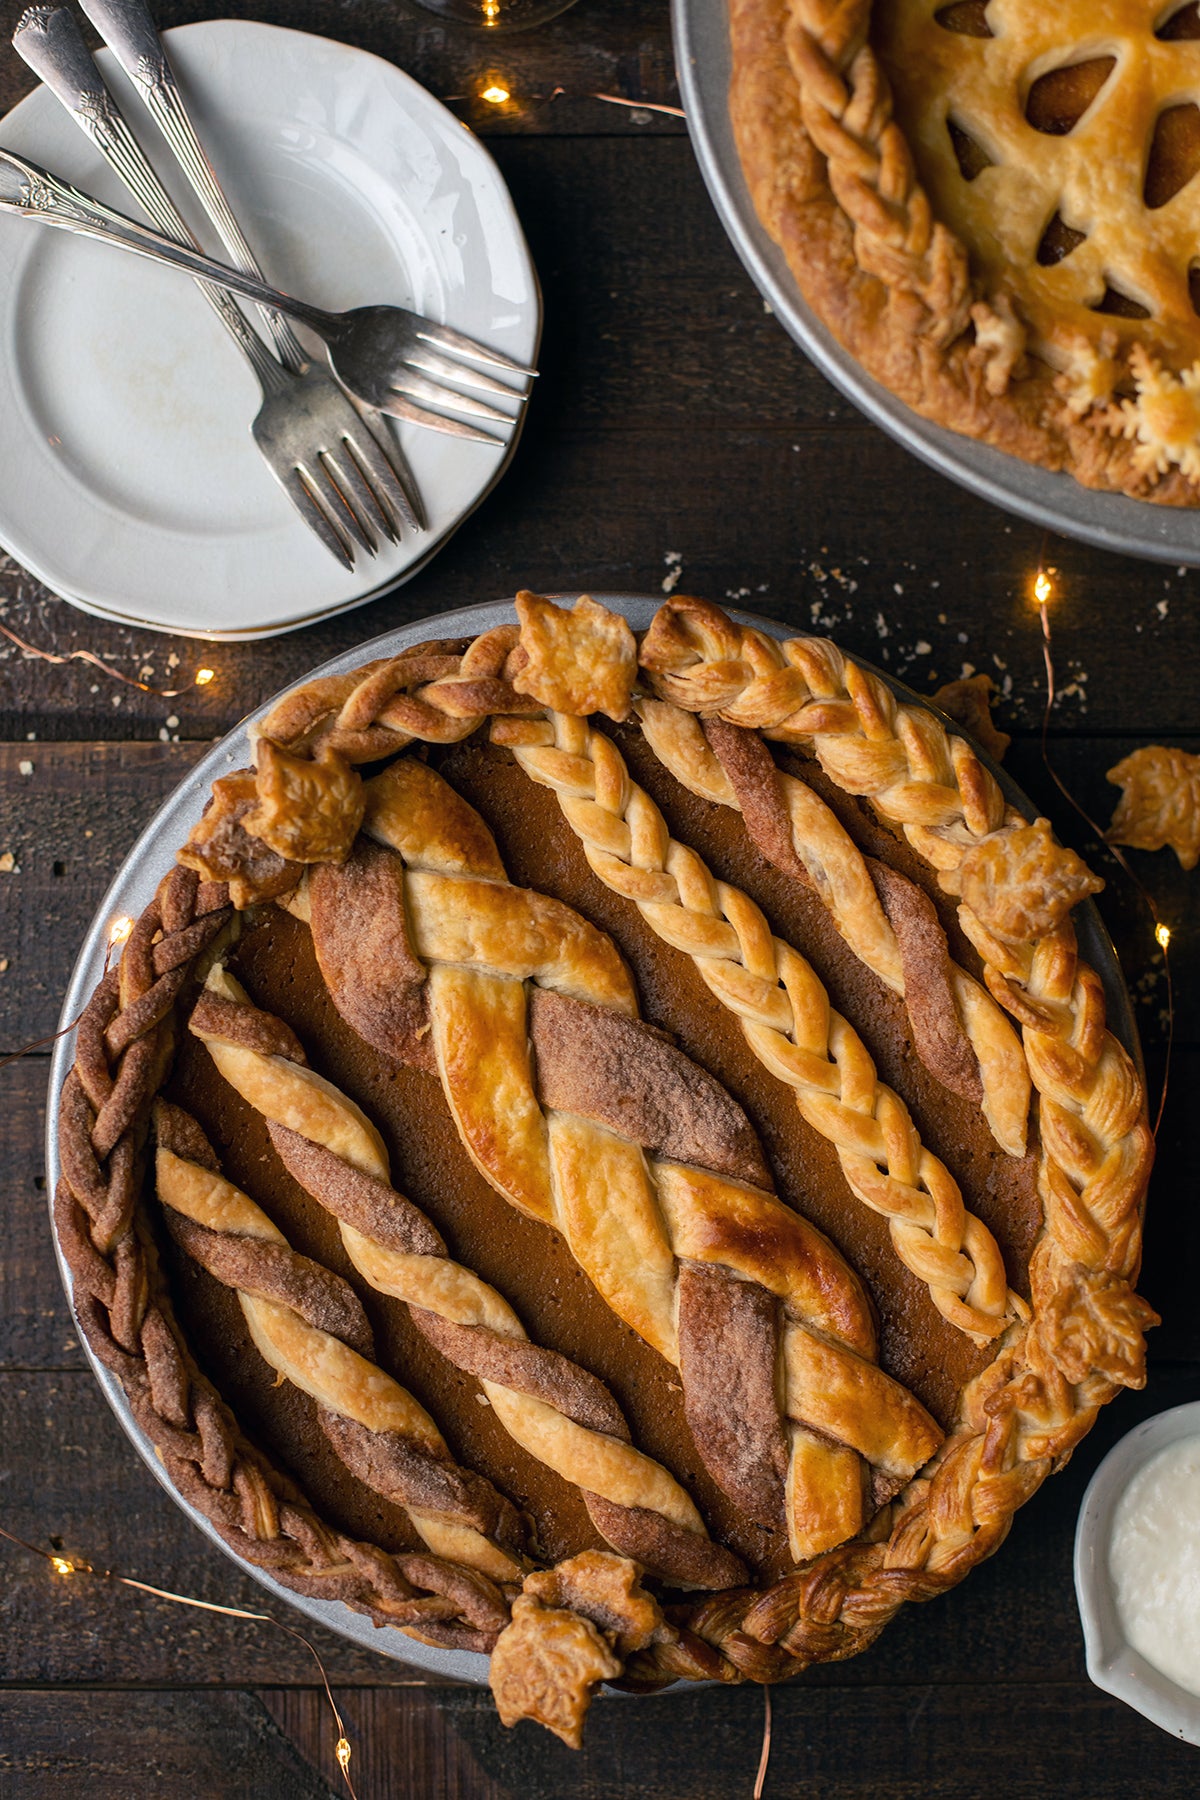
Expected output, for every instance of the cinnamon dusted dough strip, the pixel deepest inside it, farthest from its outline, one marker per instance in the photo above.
(307, 1324)
(322, 1139)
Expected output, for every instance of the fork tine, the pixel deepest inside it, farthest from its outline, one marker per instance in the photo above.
(401, 408)
(302, 497)
(356, 494)
(430, 363)
(335, 502)
(444, 337)
(379, 458)
(416, 387)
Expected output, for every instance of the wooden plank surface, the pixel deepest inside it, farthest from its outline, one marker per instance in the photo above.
(676, 438)
(214, 1746)
(618, 47)
(928, 1741)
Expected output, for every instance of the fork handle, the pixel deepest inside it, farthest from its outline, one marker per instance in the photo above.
(128, 29)
(34, 193)
(50, 41)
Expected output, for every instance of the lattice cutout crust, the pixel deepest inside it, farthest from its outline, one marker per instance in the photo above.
(996, 205)
(1093, 176)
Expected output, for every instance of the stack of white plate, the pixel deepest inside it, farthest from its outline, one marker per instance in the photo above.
(129, 483)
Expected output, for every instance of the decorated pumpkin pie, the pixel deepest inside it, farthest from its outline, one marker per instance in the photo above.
(605, 1153)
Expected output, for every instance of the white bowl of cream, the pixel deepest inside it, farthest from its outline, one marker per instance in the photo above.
(1137, 1571)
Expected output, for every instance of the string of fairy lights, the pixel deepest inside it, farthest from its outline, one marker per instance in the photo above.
(32, 653)
(66, 1566)
(497, 91)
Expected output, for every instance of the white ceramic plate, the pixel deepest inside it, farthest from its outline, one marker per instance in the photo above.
(129, 482)
(1113, 1664)
(133, 887)
(1134, 527)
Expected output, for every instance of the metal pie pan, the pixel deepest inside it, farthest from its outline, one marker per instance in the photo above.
(132, 889)
(1111, 521)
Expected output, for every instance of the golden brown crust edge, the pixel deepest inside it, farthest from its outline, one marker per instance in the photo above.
(1020, 1418)
(887, 329)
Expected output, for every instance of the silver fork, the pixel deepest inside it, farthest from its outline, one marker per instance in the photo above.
(324, 455)
(391, 359)
(131, 34)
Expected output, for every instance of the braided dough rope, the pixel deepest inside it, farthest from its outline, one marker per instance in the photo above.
(785, 1014)
(1096, 1144)
(846, 106)
(435, 693)
(309, 1326)
(555, 1410)
(123, 1047)
(687, 1256)
(837, 870)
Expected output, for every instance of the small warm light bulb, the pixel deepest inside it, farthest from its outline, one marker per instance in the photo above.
(342, 1751)
(119, 930)
(491, 12)
(204, 676)
(1043, 587)
(1162, 935)
(495, 95)
(62, 1566)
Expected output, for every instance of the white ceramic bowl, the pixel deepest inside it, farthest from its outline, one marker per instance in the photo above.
(1112, 1663)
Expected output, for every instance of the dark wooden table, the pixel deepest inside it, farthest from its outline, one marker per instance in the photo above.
(675, 432)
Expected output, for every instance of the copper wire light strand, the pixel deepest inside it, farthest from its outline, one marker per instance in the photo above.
(1043, 589)
(673, 112)
(118, 932)
(89, 656)
(40, 1043)
(70, 1565)
(764, 1758)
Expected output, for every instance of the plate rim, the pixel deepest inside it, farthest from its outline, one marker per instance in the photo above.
(109, 607)
(1052, 500)
(153, 854)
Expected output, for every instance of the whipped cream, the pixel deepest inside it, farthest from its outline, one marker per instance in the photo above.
(1154, 1561)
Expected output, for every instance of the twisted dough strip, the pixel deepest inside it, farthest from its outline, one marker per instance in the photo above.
(436, 692)
(683, 1243)
(805, 691)
(559, 1413)
(1096, 1144)
(309, 1325)
(797, 831)
(785, 1014)
(846, 105)
(123, 1047)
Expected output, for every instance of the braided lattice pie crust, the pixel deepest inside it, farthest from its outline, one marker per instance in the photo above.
(995, 205)
(834, 1494)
